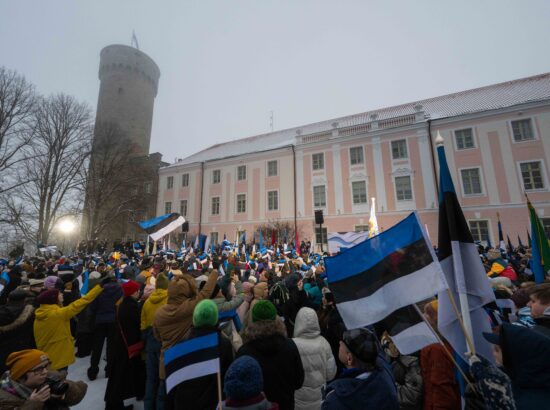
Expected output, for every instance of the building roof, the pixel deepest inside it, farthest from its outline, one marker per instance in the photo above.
(492, 97)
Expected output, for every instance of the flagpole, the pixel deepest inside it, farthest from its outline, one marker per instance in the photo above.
(219, 378)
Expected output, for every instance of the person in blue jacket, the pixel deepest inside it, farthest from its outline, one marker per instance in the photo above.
(364, 383)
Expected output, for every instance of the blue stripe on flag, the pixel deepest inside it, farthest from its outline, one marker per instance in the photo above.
(190, 346)
(152, 222)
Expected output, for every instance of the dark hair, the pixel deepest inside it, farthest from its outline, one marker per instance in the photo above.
(541, 292)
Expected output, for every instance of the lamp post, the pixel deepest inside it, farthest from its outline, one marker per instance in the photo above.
(66, 227)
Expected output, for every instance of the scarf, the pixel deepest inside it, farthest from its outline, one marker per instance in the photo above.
(13, 387)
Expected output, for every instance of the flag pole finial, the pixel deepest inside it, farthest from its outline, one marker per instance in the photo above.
(439, 141)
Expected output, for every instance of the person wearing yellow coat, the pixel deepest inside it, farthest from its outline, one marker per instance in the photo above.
(52, 331)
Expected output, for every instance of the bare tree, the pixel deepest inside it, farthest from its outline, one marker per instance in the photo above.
(59, 149)
(17, 103)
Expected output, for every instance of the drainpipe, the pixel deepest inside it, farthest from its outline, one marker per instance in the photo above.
(202, 189)
(294, 174)
(433, 158)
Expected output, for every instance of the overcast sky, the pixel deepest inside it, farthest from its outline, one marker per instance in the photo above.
(226, 64)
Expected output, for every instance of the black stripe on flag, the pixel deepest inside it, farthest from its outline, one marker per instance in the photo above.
(163, 223)
(452, 225)
(397, 264)
(191, 358)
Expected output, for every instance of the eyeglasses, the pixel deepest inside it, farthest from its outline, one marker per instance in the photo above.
(40, 369)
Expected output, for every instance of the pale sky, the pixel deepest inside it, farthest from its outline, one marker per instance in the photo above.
(226, 64)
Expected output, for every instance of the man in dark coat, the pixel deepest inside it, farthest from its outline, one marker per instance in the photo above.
(16, 325)
(265, 340)
(127, 375)
(297, 299)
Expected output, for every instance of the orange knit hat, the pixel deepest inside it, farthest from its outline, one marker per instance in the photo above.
(22, 361)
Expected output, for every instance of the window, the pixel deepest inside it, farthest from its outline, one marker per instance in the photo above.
(215, 205)
(361, 228)
(480, 230)
(356, 155)
(148, 187)
(321, 235)
(464, 139)
(241, 203)
(546, 226)
(531, 173)
(214, 238)
(271, 168)
(183, 207)
(359, 189)
(167, 207)
(318, 161)
(272, 200)
(471, 182)
(319, 197)
(399, 149)
(169, 182)
(216, 176)
(241, 172)
(185, 180)
(523, 130)
(403, 188)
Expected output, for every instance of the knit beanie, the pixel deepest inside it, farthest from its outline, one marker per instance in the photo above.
(50, 281)
(263, 310)
(243, 380)
(48, 297)
(205, 314)
(162, 281)
(130, 287)
(21, 362)
(291, 281)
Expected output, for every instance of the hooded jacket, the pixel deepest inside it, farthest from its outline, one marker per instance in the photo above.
(173, 320)
(278, 357)
(157, 299)
(104, 307)
(16, 333)
(52, 330)
(317, 360)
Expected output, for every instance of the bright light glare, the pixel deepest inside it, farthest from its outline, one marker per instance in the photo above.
(66, 226)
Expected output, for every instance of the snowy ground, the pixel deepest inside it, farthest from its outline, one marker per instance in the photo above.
(96, 389)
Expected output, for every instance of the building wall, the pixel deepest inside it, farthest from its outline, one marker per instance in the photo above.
(495, 154)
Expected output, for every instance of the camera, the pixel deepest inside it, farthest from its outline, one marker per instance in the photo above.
(57, 387)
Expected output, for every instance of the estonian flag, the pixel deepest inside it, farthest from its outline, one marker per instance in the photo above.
(463, 269)
(408, 331)
(191, 359)
(162, 225)
(501, 243)
(395, 268)
(540, 250)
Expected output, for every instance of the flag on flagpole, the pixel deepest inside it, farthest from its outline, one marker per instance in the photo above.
(529, 239)
(197, 239)
(207, 243)
(489, 243)
(501, 243)
(191, 359)
(509, 246)
(463, 270)
(260, 241)
(162, 225)
(373, 223)
(519, 242)
(392, 270)
(540, 250)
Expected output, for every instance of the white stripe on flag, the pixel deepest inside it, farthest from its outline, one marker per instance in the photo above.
(414, 338)
(192, 372)
(168, 228)
(409, 289)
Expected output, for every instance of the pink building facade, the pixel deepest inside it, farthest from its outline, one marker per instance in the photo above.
(497, 142)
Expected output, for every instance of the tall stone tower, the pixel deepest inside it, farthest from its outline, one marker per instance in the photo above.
(129, 83)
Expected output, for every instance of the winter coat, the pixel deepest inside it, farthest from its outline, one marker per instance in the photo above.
(202, 393)
(543, 323)
(73, 396)
(406, 371)
(297, 300)
(493, 387)
(52, 329)
(314, 293)
(526, 359)
(127, 376)
(16, 333)
(440, 387)
(104, 307)
(278, 357)
(173, 320)
(255, 403)
(157, 299)
(357, 389)
(317, 360)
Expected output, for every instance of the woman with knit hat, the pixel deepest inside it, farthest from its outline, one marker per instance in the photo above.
(24, 385)
(127, 376)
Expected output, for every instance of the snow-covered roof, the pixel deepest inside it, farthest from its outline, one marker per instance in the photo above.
(492, 97)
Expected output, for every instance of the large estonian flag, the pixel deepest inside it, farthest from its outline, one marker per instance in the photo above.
(393, 269)
(162, 225)
(408, 330)
(463, 269)
(339, 240)
(191, 359)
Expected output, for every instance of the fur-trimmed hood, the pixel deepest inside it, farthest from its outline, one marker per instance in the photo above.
(26, 314)
(264, 329)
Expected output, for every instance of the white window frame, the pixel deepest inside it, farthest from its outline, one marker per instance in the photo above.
(401, 201)
(366, 193)
(168, 207)
(212, 205)
(474, 138)
(406, 147)
(184, 180)
(212, 241)
(276, 168)
(267, 200)
(542, 170)
(481, 182)
(186, 207)
(214, 173)
(237, 203)
(323, 233)
(362, 149)
(322, 154)
(533, 127)
(239, 167)
(148, 187)
(313, 196)
(355, 228)
(169, 182)
(489, 228)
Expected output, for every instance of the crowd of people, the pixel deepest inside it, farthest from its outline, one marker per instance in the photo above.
(282, 342)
